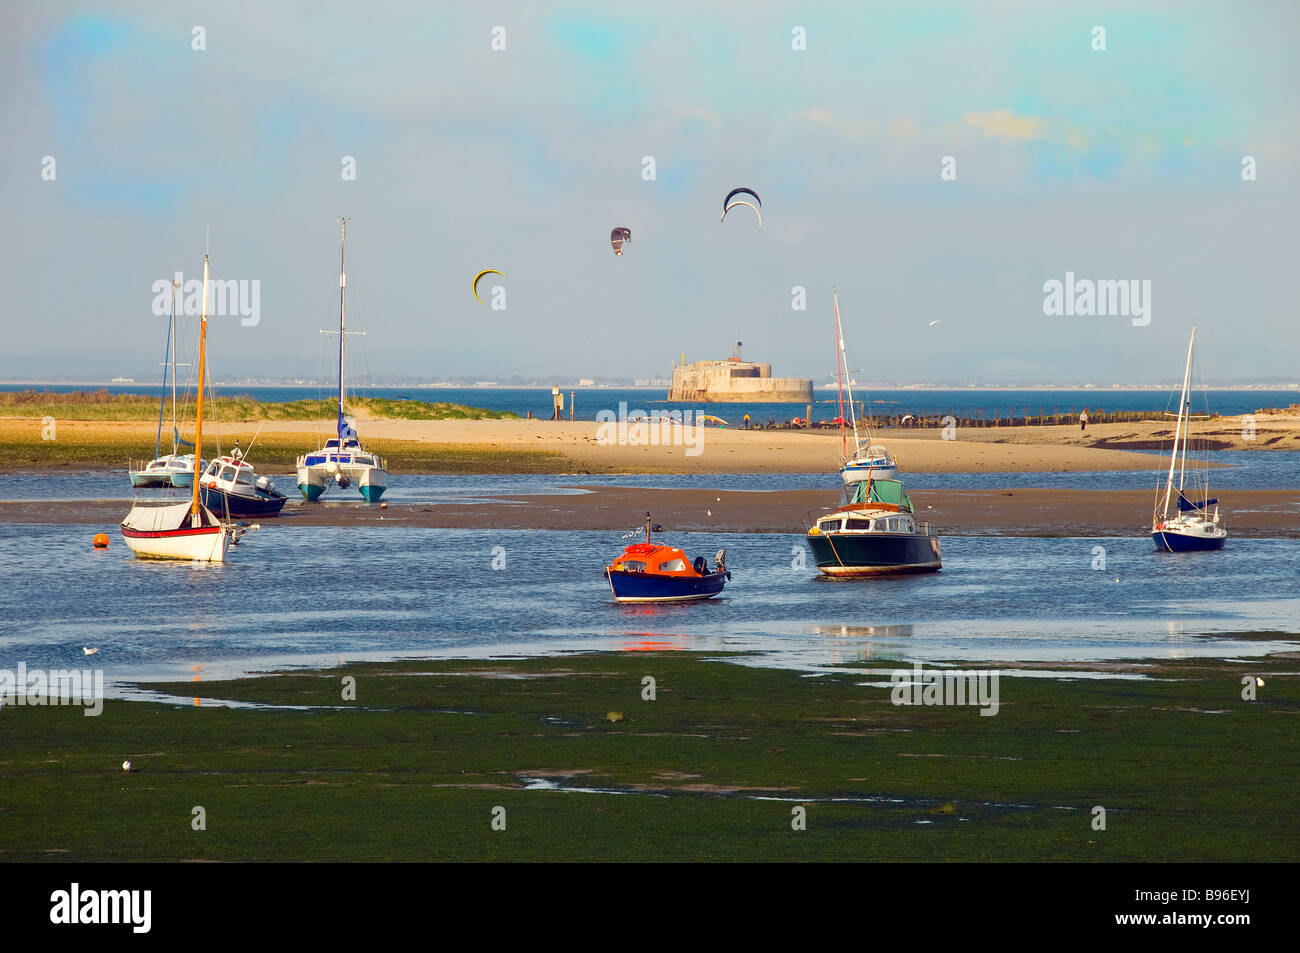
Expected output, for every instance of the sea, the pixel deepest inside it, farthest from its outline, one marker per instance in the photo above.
(293, 596)
(587, 402)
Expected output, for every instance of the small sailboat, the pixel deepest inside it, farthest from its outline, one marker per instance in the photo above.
(867, 458)
(342, 460)
(1190, 529)
(175, 468)
(647, 572)
(182, 530)
(874, 533)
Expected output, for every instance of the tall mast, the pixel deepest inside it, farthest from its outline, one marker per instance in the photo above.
(1178, 431)
(171, 333)
(198, 414)
(844, 358)
(839, 377)
(162, 399)
(343, 287)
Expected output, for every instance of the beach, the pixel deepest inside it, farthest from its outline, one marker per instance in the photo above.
(502, 446)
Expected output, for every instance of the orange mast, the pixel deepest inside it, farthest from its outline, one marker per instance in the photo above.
(198, 425)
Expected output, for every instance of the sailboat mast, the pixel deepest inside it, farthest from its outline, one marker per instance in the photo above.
(839, 377)
(848, 382)
(343, 287)
(198, 413)
(162, 398)
(171, 333)
(1179, 433)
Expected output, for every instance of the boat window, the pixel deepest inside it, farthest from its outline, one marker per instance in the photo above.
(859, 524)
(245, 476)
(673, 565)
(829, 526)
(632, 565)
(227, 473)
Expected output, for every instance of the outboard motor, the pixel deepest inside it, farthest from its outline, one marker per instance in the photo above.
(721, 560)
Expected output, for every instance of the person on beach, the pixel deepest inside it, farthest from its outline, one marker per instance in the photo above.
(746, 421)
(1083, 420)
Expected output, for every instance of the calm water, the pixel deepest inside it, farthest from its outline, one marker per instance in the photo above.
(1246, 469)
(589, 401)
(306, 595)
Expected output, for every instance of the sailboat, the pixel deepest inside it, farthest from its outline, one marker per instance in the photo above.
(342, 459)
(868, 460)
(1189, 530)
(175, 468)
(182, 530)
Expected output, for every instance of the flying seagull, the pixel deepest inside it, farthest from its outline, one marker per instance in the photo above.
(932, 324)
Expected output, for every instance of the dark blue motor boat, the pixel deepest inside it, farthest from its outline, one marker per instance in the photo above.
(231, 488)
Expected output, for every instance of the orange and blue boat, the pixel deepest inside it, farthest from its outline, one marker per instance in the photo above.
(648, 572)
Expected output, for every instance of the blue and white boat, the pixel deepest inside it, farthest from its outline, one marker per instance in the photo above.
(1190, 529)
(648, 572)
(342, 460)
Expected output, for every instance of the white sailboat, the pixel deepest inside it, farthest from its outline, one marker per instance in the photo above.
(342, 460)
(175, 468)
(868, 460)
(182, 530)
(1189, 530)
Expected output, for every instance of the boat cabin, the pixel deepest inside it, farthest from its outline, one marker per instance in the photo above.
(656, 560)
(887, 494)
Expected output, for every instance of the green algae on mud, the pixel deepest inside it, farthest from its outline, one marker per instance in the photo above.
(710, 769)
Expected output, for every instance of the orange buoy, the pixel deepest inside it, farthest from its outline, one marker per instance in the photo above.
(100, 541)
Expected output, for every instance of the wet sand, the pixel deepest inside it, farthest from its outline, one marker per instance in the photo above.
(1019, 512)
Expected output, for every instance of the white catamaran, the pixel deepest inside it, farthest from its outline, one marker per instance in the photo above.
(1190, 529)
(342, 459)
(183, 530)
(867, 459)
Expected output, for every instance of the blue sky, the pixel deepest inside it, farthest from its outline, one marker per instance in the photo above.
(1115, 164)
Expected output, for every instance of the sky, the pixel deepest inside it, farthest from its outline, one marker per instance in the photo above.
(1123, 163)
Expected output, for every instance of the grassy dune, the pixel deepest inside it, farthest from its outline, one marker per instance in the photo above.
(101, 405)
(709, 770)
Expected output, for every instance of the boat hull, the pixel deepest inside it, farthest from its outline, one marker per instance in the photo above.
(651, 587)
(242, 507)
(855, 555)
(168, 532)
(142, 479)
(1171, 542)
(856, 473)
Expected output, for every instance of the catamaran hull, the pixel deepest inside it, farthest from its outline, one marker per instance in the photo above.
(1170, 542)
(372, 484)
(856, 555)
(206, 544)
(314, 480)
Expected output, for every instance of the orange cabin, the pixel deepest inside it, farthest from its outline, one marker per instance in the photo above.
(659, 560)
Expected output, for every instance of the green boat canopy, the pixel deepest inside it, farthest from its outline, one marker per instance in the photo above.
(882, 491)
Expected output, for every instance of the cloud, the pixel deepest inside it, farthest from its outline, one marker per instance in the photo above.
(1003, 124)
(855, 129)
